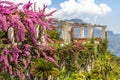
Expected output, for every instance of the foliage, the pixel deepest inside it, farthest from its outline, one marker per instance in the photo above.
(67, 55)
(104, 65)
(54, 33)
(106, 68)
(43, 69)
(102, 47)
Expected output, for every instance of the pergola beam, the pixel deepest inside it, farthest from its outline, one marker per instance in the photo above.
(69, 25)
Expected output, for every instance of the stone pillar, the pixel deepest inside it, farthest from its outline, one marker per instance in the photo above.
(82, 32)
(11, 34)
(63, 32)
(43, 40)
(67, 33)
(37, 30)
(103, 32)
(90, 31)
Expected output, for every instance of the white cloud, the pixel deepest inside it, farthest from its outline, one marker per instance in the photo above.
(72, 8)
(75, 8)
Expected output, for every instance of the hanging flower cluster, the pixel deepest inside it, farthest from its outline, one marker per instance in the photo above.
(24, 22)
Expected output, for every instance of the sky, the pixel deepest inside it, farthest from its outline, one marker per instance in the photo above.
(104, 12)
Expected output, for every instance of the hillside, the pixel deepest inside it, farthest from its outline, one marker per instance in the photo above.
(114, 42)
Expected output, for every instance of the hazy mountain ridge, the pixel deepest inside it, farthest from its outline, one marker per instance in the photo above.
(114, 39)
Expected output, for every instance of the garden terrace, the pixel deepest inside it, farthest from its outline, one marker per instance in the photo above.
(25, 52)
(67, 31)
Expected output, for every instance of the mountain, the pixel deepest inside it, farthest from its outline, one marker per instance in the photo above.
(114, 42)
(113, 39)
(76, 20)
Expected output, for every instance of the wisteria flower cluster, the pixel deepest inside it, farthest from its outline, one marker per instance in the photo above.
(16, 59)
